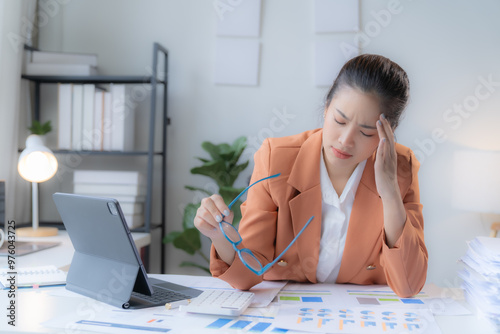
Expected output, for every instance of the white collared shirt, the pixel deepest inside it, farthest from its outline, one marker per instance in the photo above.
(335, 220)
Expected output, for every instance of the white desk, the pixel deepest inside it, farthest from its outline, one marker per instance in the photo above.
(61, 255)
(36, 306)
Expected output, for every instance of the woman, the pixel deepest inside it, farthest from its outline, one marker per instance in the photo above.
(360, 186)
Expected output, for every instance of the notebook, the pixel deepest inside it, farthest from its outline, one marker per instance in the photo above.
(33, 277)
(106, 265)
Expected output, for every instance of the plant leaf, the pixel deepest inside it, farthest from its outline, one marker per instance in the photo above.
(229, 193)
(235, 172)
(189, 241)
(226, 152)
(212, 149)
(237, 212)
(238, 147)
(202, 159)
(171, 237)
(215, 170)
(40, 129)
(198, 189)
(189, 214)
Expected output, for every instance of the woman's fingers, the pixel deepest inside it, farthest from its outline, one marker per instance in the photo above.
(211, 211)
(389, 133)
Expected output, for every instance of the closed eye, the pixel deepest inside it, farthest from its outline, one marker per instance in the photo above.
(338, 122)
(366, 135)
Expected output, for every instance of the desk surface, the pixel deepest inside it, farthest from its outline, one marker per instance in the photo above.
(36, 306)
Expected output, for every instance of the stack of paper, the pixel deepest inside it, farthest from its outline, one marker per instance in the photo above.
(61, 63)
(481, 277)
(127, 187)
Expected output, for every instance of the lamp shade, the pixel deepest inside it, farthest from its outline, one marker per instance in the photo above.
(36, 163)
(476, 181)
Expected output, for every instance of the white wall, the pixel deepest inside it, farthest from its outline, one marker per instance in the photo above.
(444, 46)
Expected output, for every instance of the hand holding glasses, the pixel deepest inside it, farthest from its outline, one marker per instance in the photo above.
(246, 256)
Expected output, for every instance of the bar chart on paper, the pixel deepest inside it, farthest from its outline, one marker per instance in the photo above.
(378, 297)
(246, 325)
(358, 320)
(431, 297)
(304, 296)
(253, 320)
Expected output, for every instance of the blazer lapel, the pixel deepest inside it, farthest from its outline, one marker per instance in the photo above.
(365, 225)
(305, 177)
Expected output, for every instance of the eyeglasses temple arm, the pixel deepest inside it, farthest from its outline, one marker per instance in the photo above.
(245, 190)
(286, 249)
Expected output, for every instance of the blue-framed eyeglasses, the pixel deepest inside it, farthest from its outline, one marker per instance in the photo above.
(246, 255)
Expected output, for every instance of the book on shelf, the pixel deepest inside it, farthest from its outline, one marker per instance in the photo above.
(60, 69)
(129, 198)
(99, 189)
(131, 208)
(77, 117)
(127, 187)
(88, 117)
(64, 111)
(123, 118)
(135, 220)
(97, 134)
(108, 177)
(106, 122)
(48, 57)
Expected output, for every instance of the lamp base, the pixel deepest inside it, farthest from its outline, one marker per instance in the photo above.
(39, 232)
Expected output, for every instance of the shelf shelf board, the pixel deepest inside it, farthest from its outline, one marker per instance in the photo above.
(112, 153)
(123, 79)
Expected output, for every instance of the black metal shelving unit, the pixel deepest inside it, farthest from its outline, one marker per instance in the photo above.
(154, 80)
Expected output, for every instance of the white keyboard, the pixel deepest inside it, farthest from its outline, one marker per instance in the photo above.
(220, 302)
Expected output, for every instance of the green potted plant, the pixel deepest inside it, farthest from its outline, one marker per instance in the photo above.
(40, 129)
(224, 169)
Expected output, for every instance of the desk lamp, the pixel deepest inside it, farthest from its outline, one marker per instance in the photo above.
(476, 181)
(36, 164)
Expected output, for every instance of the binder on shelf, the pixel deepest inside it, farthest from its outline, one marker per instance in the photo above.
(97, 138)
(122, 116)
(77, 103)
(64, 110)
(106, 122)
(88, 117)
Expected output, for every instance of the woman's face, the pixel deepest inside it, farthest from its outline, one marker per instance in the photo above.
(349, 131)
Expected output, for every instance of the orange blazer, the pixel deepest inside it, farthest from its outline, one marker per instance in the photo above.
(277, 209)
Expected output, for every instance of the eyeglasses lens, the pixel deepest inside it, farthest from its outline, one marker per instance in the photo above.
(231, 232)
(251, 261)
